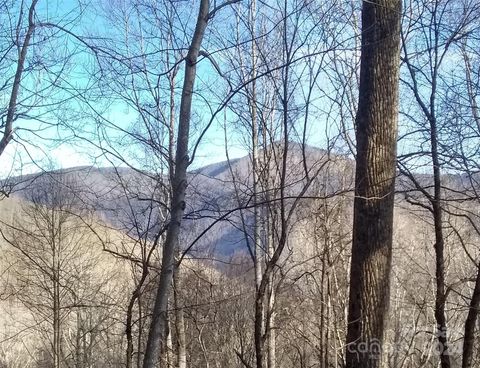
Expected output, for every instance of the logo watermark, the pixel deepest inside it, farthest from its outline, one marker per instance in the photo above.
(402, 341)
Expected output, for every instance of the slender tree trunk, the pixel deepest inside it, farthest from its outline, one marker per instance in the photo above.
(171, 128)
(271, 333)
(440, 294)
(168, 354)
(259, 323)
(436, 201)
(179, 321)
(470, 322)
(56, 327)
(135, 298)
(258, 251)
(22, 55)
(474, 308)
(201, 342)
(128, 332)
(140, 332)
(376, 133)
(78, 341)
(156, 335)
(56, 299)
(270, 322)
(326, 357)
(323, 297)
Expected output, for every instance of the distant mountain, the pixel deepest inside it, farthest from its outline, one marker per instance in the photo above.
(135, 203)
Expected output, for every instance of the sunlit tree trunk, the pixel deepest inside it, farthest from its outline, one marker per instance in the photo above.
(258, 251)
(158, 326)
(376, 133)
(179, 321)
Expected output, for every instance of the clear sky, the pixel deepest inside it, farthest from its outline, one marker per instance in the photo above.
(42, 143)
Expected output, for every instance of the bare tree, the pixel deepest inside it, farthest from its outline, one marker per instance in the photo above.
(54, 263)
(22, 43)
(158, 325)
(436, 127)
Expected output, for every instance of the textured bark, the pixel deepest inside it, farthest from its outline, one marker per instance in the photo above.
(376, 133)
(158, 326)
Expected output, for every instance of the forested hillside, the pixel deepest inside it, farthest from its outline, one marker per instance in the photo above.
(239, 183)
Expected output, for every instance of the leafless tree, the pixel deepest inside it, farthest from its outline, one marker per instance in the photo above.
(54, 264)
(449, 24)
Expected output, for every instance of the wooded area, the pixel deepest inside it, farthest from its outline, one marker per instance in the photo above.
(338, 225)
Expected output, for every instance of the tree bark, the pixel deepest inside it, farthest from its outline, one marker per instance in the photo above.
(179, 321)
(474, 307)
(128, 332)
(56, 262)
(258, 250)
(158, 326)
(440, 294)
(271, 333)
(469, 334)
(376, 134)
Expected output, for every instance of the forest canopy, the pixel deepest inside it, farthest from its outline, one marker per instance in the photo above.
(239, 183)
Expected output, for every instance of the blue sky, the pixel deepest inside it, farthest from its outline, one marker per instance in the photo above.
(32, 152)
(41, 146)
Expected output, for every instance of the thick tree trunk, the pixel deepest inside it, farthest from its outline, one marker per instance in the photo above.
(156, 335)
(376, 133)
